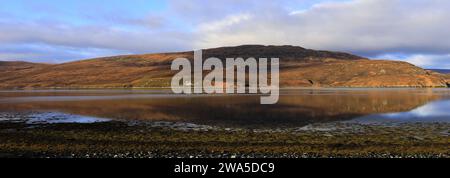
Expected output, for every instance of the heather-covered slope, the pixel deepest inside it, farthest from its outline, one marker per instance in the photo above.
(361, 73)
(299, 68)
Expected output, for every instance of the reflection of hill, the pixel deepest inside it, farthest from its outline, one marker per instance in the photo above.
(295, 108)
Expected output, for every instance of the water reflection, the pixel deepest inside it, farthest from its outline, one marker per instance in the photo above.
(438, 111)
(296, 107)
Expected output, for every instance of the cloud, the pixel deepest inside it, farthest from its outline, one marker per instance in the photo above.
(85, 39)
(71, 33)
(367, 27)
(51, 53)
(224, 23)
(88, 36)
(430, 61)
(417, 29)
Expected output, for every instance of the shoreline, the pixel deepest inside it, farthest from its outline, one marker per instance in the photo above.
(118, 139)
(169, 88)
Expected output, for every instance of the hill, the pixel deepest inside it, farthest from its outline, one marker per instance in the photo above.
(299, 67)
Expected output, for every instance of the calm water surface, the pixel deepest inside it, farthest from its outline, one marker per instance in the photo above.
(296, 107)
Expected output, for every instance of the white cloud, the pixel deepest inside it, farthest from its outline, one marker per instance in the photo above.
(428, 61)
(227, 22)
(368, 27)
(89, 36)
(417, 29)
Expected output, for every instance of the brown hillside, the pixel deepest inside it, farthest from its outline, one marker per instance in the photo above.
(299, 68)
(15, 71)
(360, 73)
(447, 79)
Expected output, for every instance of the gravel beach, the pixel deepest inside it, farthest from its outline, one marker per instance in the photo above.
(120, 139)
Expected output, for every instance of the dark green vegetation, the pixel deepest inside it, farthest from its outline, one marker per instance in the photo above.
(120, 139)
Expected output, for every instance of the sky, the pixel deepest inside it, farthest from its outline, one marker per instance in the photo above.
(55, 31)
